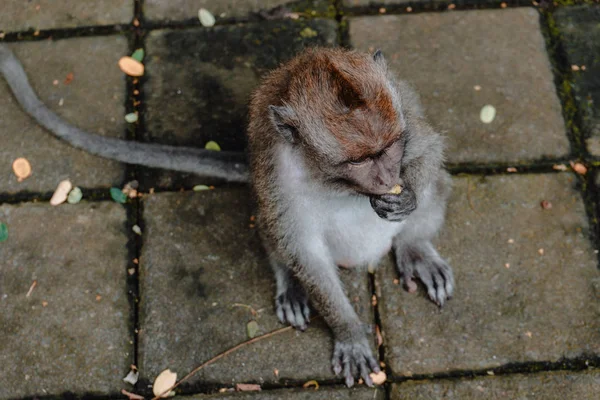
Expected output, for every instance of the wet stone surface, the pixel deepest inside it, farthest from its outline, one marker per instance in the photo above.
(323, 393)
(445, 55)
(548, 386)
(71, 332)
(181, 10)
(20, 15)
(93, 100)
(579, 28)
(203, 275)
(199, 82)
(527, 282)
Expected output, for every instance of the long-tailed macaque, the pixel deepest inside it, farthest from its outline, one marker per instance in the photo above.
(344, 168)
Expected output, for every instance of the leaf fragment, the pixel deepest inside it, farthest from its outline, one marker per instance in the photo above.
(61, 193)
(199, 188)
(163, 382)
(3, 232)
(252, 329)
(206, 18)
(212, 145)
(131, 117)
(487, 114)
(117, 195)
(138, 55)
(75, 196)
(22, 168)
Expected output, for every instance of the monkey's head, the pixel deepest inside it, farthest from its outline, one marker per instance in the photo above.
(340, 110)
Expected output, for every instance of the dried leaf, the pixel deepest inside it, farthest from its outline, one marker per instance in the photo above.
(212, 145)
(118, 195)
(3, 232)
(75, 196)
(378, 378)
(252, 329)
(138, 55)
(131, 117)
(69, 78)
(487, 114)
(206, 18)
(131, 67)
(247, 387)
(579, 168)
(61, 193)
(132, 377)
(21, 168)
(132, 396)
(312, 383)
(163, 382)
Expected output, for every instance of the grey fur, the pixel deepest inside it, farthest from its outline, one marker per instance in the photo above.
(230, 166)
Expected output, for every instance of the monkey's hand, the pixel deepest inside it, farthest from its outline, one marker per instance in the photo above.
(394, 207)
(353, 357)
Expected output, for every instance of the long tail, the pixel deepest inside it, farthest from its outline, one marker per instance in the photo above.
(231, 166)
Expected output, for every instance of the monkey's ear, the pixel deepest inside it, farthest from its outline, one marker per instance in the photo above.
(379, 58)
(282, 118)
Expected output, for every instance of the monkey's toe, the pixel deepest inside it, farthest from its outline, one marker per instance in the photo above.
(438, 280)
(292, 308)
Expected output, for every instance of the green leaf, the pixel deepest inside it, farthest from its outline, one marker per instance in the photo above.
(138, 55)
(212, 145)
(252, 329)
(199, 188)
(3, 232)
(118, 195)
(74, 196)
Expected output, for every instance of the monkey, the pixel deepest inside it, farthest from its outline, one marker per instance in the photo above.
(330, 134)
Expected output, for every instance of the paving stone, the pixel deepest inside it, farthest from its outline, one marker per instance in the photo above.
(548, 386)
(445, 55)
(94, 101)
(511, 304)
(202, 268)
(19, 15)
(323, 393)
(178, 10)
(200, 80)
(62, 337)
(579, 28)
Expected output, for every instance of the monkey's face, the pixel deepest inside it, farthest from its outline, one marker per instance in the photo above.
(376, 173)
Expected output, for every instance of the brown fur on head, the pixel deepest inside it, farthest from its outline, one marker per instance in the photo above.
(339, 107)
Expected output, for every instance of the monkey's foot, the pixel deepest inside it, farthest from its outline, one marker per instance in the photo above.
(433, 271)
(354, 358)
(292, 307)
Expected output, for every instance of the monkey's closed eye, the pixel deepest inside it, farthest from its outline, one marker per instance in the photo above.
(363, 161)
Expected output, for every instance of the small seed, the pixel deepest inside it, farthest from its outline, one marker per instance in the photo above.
(61, 193)
(131, 67)
(21, 168)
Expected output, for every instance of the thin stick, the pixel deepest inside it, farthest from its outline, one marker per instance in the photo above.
(223, 354)
(31, 289)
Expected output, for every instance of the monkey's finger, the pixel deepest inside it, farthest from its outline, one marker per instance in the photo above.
(298, 316)
(373, 364)
(440, 288)
(306, 312)
(364, 373)
(280, 314)
(427, 279)
(348, 372)
(336, 360)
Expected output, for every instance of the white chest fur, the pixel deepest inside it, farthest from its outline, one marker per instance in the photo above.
(346, 225)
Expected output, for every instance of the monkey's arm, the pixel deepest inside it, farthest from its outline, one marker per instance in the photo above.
(352, 353)
(231, 166)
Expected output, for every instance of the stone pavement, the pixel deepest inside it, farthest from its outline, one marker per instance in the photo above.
(83, 297)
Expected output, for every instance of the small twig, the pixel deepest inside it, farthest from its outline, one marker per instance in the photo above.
(31, 288)
(469, 196)
(223, 354)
